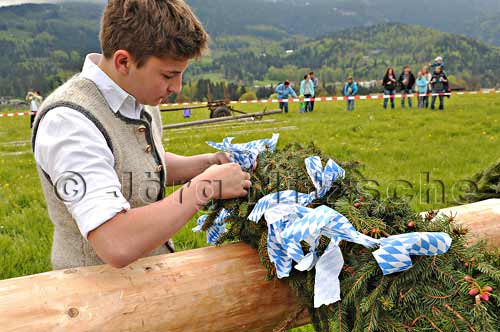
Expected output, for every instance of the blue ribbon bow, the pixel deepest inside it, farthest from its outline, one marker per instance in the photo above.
(245, 154)
(322, 179)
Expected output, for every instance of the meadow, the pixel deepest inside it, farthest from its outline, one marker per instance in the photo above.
(399, 150)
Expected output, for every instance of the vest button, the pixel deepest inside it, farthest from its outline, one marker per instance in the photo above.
(148, 149)
(159, 168)
(141, 129)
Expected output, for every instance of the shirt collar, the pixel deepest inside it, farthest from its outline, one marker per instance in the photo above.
(118, 99)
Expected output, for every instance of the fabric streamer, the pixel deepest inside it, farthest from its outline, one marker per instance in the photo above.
(322, 178)
(298, 224)
(216, 230)
(245, 154)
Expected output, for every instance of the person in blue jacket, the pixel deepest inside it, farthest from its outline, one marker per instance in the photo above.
(284, 90)
(307, 89)
(438, 62)
(350, 90)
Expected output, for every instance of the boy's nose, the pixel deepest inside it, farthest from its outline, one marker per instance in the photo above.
(176, 85)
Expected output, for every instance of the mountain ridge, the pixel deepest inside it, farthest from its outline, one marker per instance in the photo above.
(43, 45)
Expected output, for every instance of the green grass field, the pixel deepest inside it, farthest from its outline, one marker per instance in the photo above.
(393, 146)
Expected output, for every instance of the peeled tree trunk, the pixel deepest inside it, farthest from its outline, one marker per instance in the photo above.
(209, 289)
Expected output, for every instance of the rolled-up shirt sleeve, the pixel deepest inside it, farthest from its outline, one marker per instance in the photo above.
(67, 142)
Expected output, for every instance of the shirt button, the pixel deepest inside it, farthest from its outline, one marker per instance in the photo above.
(159, 168)
(148, 149)
(141, 129)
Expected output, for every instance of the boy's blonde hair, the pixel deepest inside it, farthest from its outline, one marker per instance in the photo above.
(145, 28)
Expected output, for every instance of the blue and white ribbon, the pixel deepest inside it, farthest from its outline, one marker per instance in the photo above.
(245, 154)
(322, 179)
(216, 229)
(394, 253)
(302, 224)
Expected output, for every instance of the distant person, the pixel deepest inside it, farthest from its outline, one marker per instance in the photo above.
(302, 105)
(406, 81)
(307, 89)
(316, 87)
(439, 83)
(35, 99)
(438, 62)
(389, 83)
(428, 77)
(284, 90)
(350, 90)
(422, 85)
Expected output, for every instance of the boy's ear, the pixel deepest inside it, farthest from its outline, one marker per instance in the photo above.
(122, 61)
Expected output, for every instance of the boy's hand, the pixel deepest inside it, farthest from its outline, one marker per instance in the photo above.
(224, 181)
(220, 158)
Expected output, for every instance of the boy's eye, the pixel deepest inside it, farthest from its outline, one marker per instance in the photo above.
(168, 77)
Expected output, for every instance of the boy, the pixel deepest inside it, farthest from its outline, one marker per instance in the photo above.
(94, 135)
(283, 90)
(438, 62)
(302, 105)
(350, 90)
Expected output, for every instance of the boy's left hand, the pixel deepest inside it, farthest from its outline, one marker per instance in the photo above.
(219, 158)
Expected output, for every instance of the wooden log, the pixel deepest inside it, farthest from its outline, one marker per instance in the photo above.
(221, 119)
(483, 219)
(210, 289)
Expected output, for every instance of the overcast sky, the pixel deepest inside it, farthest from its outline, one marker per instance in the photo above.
(18, 2)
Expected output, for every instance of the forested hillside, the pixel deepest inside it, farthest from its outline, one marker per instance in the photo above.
(42, 45)
(314, 18)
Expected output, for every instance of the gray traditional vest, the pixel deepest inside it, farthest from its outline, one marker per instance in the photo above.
(139, 162)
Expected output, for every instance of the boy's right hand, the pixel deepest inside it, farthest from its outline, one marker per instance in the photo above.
(224, 181)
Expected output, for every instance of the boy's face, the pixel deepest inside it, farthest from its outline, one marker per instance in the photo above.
(157, 79)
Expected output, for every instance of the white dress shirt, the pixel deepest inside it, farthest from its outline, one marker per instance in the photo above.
(68, 141)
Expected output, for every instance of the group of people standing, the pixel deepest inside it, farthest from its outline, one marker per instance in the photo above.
(308, 88)
(428, 81)
(425, 83)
